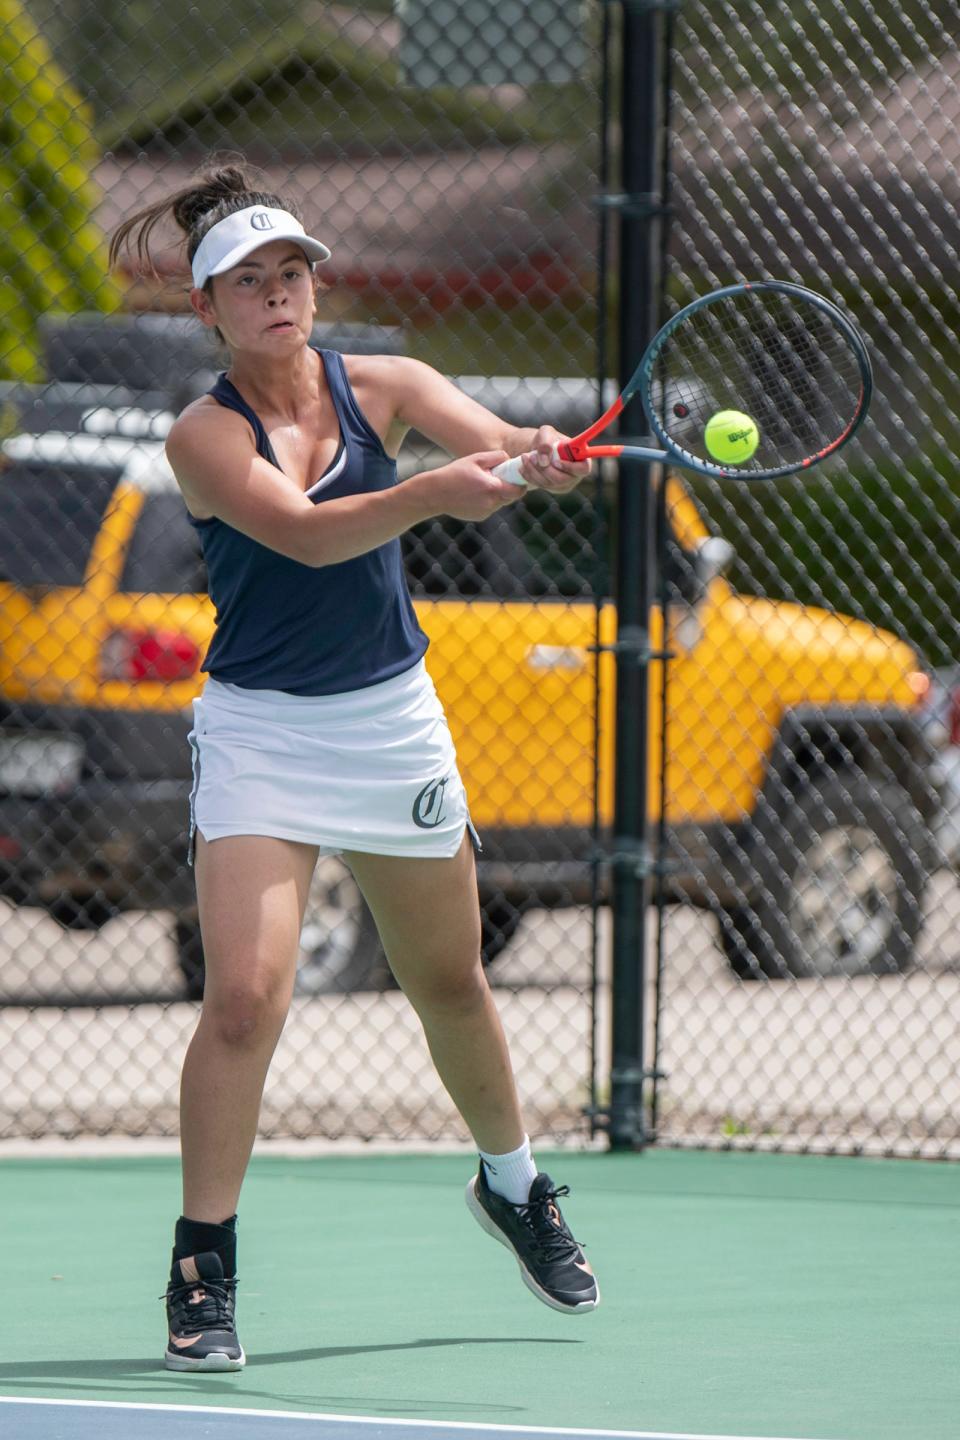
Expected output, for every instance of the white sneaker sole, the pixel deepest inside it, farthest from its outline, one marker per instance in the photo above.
(485, 1223)
(211, 1363)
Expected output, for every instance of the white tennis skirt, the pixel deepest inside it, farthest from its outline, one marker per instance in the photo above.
(372, 770)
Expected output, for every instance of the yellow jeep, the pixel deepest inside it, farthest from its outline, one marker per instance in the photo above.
(796, 789)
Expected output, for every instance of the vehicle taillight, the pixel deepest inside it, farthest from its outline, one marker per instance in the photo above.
(953, 716)
(159, 655)
(919, 682)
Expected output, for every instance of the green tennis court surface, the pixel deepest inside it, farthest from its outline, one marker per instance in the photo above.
(743, 1295)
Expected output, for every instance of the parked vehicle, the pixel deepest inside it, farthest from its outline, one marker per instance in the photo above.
(941, 721)
(798, 791)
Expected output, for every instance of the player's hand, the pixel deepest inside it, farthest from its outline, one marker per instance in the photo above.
(539, 467)
(466, 489)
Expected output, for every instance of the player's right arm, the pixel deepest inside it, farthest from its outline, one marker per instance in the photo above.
(220, 474)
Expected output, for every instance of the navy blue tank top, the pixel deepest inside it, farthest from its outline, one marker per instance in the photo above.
(282, 625)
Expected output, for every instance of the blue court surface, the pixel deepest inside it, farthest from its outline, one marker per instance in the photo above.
(92, 1420)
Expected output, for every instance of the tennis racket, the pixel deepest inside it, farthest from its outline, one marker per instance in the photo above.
(788, 367)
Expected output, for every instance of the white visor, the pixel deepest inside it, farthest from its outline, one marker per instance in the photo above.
(233, 239)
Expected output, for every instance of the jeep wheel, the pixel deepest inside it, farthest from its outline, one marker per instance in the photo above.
(339, 946)
(840, 890)
(499, 920)
(186, 934)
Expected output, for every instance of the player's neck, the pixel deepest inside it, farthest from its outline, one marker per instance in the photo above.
(277, 386)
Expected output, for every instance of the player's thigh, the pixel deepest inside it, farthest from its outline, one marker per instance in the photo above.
(428, 915)
(251, 893)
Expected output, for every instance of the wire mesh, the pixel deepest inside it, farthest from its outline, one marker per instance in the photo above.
(806, 747)
(457, 209)
(809, 752)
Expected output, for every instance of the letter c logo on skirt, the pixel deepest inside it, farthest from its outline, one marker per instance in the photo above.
(428, 806)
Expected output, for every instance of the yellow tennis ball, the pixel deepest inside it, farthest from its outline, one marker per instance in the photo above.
(731, 437)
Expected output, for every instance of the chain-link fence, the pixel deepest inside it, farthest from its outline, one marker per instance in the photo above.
(814, 800)
(457, 206)
(805, 991)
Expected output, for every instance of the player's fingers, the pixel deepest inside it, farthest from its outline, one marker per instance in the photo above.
(487, 459)
(549, 470)
(510, 489)
(561, 475)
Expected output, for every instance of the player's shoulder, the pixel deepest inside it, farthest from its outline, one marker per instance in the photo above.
(199, 414)
(392, 372)
(202, 420)
(204, 443)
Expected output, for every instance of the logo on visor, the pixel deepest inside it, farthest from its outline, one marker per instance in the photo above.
(260, 220)
(428, 806)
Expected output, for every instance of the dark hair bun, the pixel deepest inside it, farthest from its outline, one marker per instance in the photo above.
(215, 186)
(221, 189)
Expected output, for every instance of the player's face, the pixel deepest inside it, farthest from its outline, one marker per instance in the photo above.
(266, 303)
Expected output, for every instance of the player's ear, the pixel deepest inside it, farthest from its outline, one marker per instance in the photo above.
(201, 304)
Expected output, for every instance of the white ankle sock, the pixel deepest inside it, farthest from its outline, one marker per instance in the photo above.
(511, 1175)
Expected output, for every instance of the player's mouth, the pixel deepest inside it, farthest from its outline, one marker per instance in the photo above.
(281, 325)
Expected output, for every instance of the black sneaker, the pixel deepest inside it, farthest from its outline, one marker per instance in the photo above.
(200, 1308)
(551, 1262)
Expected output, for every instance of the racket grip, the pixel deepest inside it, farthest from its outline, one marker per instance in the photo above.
(509, 470)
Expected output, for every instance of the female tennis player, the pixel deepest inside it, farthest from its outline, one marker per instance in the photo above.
(319, 730)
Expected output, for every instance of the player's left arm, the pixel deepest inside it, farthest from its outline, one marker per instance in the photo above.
(422, 399)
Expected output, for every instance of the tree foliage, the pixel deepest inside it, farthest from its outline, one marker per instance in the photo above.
(52, 254)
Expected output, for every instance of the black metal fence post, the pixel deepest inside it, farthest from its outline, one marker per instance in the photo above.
(641, 216)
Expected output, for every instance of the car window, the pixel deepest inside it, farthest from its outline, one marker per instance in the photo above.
(49, 519)
(544, 546)
(163, 556)
(451, 559)
(564, 543)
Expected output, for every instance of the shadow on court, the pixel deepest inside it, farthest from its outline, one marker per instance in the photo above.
(120, 1368)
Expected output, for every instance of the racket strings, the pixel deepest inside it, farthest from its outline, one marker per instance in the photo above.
(780, 360)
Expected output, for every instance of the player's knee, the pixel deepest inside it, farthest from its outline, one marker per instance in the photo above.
(449, 986)
(246, 1016)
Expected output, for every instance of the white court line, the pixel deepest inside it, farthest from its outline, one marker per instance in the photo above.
(383, 1420)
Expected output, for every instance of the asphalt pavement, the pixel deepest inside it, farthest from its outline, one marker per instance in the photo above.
(860, 1062)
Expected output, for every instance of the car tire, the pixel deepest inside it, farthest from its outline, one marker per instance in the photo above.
(840, 890)
(340, 949)
(82, 912)
(186, 935)
(499, 920)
